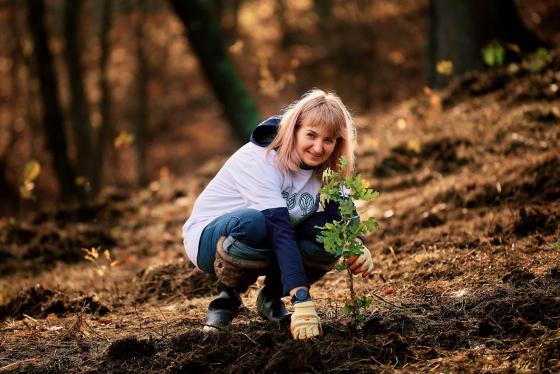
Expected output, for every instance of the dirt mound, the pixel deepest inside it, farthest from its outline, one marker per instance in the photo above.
(39, 302)
(58, 235)
(103, 209)
(518, 277)
(534, 183)
(26, 247)
(130, 347)
(529, 80)
(474, 85)
(519, 311)
(444, 155)
(546, 117)
(269, 351)
(536, 219)
(173, 280)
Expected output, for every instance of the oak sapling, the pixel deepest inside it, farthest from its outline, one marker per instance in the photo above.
(339, 237)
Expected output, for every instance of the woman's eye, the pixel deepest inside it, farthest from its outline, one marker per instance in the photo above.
(311, 136)
(329, 141)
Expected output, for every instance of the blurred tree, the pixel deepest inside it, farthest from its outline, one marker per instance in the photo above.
(226, 12)
(106, 131)
(206, 40)
(53, 122)
(460, 29)
(142, 93)
(323, 8)
(79, 107)
(9, 192)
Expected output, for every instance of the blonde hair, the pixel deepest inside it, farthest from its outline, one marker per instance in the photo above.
(316, 108)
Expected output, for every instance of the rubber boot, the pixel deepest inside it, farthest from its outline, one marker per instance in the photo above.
(270, 305)
(222, 310)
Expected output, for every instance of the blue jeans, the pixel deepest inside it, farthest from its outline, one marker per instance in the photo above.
(247, 238)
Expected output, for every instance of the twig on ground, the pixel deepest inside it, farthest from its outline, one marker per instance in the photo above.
(166, 321)
(140, 320)
(13, 365)
(385, 301)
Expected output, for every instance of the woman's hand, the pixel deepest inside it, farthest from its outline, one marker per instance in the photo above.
(305, 321)
(362, 264)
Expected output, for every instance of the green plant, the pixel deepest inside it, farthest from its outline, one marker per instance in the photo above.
(339, 237)
(494, 54)
(101, 264)
(538, 60)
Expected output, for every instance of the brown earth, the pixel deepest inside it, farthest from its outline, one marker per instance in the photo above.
(467, 257)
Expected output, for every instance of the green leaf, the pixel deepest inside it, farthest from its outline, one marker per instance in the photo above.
(555, 245)
(359, 321)
(538, 60)
(494, 54)
(354, 249)
(369, 225)
(364, 302)
(346, 208)
(347, 310)
(343, 163)
(342, 266)
(369, 195)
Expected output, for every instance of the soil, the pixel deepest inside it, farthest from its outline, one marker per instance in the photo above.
(467, 257)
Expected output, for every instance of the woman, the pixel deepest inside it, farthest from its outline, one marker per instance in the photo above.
(258, 216)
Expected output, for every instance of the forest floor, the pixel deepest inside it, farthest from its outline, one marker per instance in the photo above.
(467, 257)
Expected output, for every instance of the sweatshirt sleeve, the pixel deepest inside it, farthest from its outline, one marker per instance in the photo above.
(281, 234)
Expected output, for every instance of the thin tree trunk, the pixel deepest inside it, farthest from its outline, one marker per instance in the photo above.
(11, 196)
(106, 130)
(142, 92)
(236, 5)
(79, 108)
(206, 40)
(52, 113)
(287, 35)
(323, 8)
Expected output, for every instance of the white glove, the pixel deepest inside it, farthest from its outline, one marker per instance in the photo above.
(305, 321)
(361, 264)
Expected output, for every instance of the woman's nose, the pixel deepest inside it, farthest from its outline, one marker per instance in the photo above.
(318, 147)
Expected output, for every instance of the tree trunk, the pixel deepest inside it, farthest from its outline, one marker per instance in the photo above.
(52, 113)
(323, 8)
(206, 40)
(142, 95)
(79, 108)
(460, 29)
(226, 13)
(106, 130)
(10, 194)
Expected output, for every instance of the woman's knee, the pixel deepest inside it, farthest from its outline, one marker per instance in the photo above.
(249, 228)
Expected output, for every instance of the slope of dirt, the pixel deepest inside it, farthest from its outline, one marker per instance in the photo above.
(467, 257)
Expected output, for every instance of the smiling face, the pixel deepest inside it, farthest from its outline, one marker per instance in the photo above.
(314, 144)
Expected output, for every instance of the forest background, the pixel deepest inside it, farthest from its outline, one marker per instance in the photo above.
(120, 93)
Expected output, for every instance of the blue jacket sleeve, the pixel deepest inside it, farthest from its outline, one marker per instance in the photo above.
(281, 234)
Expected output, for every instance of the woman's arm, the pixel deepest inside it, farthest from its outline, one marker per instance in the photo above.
(282, 237)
